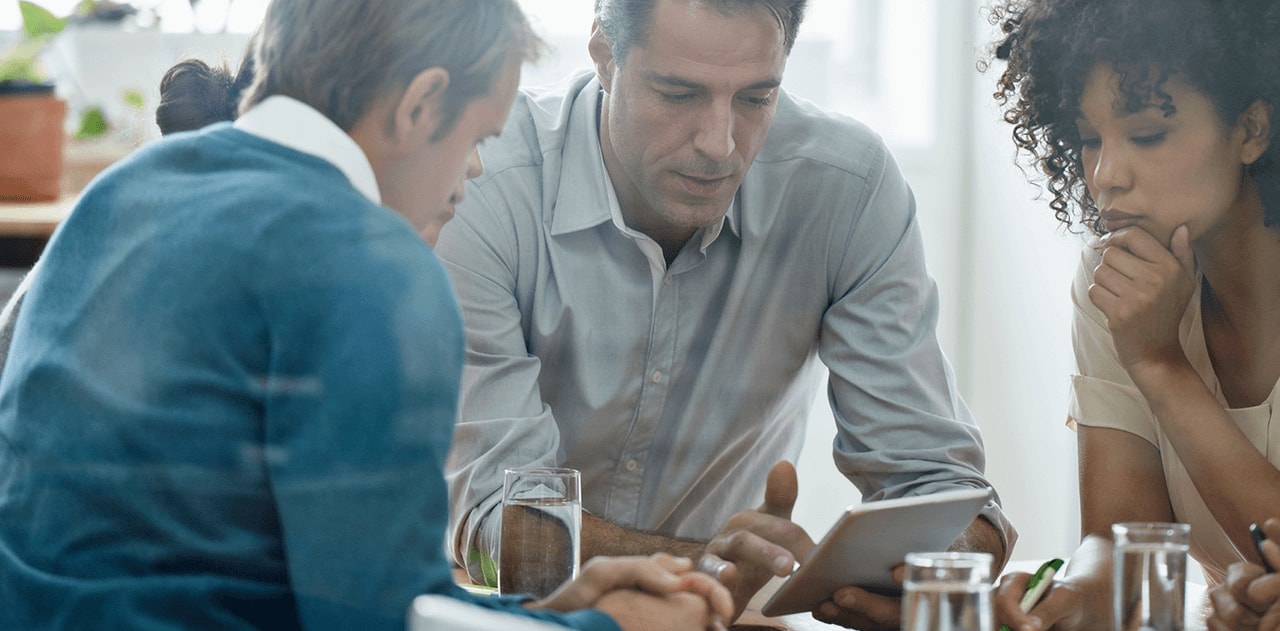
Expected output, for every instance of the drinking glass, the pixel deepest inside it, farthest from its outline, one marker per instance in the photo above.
(541, 530)
(947, 591)
(1150, 572)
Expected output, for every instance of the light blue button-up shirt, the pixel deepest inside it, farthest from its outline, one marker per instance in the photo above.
(674, 389)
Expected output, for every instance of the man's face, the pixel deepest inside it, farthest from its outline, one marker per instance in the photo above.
(436, 174)
(686, 112)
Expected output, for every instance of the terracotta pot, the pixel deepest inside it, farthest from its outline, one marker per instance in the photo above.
(31, 120)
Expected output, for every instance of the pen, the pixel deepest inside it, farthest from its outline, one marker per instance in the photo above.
(1258, 538)
(1037, 586)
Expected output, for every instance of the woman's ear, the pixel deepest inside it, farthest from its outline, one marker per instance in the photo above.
(420, 109)
(1256, 122)
(601, 56)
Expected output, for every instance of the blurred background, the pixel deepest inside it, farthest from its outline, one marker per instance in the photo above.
(906, 67)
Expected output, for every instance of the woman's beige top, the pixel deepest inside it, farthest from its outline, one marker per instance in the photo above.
(1103, 395)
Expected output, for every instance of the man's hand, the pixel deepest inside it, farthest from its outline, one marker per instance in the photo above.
(657, 592)
(756, 545)
(861, 609)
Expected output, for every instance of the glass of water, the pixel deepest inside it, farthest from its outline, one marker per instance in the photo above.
(541, 536)
(1150, 573)
(947, 591)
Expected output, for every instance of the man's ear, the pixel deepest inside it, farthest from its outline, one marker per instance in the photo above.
(1256, 122)
(601, 56)
(419, 110)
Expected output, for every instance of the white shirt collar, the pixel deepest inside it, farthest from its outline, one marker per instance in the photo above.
(294, 124)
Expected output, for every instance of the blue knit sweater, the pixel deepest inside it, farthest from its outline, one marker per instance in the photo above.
(229, 397)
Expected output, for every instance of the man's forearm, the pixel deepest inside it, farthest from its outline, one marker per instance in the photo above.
(601, 537)
(982, 536)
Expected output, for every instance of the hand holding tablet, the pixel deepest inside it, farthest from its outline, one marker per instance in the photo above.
(871, 539)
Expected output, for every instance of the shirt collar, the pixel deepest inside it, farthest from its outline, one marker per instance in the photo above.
(294, 124)
(586, 196)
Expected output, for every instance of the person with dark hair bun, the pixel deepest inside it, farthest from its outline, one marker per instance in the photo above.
(233, 380)
(194, 94)
(1153, 124)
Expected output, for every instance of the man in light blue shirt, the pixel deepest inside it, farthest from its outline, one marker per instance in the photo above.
(659, 262)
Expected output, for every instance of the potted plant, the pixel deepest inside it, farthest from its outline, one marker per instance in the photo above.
(31, 115)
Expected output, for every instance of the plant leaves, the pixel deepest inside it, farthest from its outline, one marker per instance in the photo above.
(134, 99)
(20, 64)
(38, 21)
(93, 124)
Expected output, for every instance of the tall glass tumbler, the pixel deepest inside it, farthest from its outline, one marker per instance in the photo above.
(948, 591)
(1150, 573)
(541, 536)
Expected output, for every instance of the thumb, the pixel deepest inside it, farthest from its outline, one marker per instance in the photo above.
(780, 491)
(1180, 245)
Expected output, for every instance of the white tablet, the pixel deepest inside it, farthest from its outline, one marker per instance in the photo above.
(870, 539)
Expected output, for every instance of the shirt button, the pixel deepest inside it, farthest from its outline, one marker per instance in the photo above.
(631, 465)
(666, 281)
(657, 376)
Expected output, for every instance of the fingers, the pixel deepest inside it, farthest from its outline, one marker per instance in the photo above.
(1180, 246)
(1007, 597)
(760, 541)
(1271, 528)
(860, 609)
(1061, 602)
(781, 488)
(1137, 242)
(716, 595)
(1228, 611)
(636, 611)
(718, 568)
(664, 574)
(602, 575)
(1263, 592)
(672, 563)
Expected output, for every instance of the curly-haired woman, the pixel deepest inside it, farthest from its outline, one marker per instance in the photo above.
(1153, 124)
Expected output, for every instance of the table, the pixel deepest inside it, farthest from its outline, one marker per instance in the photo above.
(753, 620)
(33, 220)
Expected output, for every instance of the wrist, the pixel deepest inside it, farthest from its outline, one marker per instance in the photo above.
(1159, 374)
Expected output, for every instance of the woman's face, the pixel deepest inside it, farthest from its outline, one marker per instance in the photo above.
(1157, 172)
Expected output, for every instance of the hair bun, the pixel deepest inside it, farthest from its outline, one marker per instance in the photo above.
(193, 95)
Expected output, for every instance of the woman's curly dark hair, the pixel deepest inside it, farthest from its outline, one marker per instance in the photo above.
(1227, 49)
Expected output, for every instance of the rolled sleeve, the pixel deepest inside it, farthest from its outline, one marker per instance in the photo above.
(502, 420)
(903, 428)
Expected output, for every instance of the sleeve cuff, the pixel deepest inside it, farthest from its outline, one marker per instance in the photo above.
(1100, 403)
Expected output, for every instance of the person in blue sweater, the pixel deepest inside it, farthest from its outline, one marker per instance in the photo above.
(233, 381)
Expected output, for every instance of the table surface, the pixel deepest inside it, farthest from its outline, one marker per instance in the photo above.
(753, 620)
(37, 219)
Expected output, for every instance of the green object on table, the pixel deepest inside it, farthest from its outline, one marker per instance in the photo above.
(1037, 586)
(488, 569)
